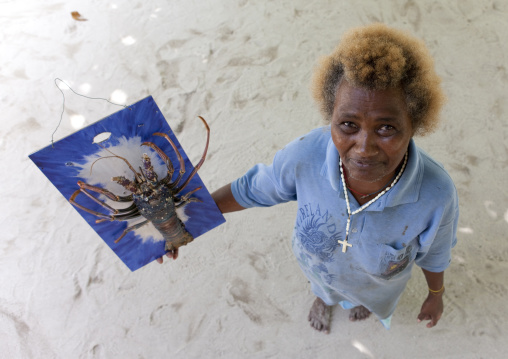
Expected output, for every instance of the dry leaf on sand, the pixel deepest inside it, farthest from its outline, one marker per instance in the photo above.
(77, 16)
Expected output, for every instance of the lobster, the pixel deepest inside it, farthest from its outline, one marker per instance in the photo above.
(152, 199)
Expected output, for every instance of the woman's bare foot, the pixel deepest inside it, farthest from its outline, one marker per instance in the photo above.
(359, 313)
(319, 316)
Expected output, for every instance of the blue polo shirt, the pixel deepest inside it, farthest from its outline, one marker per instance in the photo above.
(414, 222)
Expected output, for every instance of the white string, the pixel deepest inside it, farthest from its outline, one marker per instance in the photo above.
(63, 104)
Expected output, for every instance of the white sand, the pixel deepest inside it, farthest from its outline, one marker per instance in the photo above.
(245, 66)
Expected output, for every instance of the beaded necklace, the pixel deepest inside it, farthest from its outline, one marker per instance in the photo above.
(345, 243)
(362, 195)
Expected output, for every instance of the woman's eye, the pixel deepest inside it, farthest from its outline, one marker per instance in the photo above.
(387, 130)
(348, 127)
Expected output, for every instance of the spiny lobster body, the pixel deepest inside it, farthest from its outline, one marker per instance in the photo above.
(152, 199)
(160, 209)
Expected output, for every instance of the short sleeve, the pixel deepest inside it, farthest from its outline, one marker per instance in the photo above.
(437, 242)
(264, 186)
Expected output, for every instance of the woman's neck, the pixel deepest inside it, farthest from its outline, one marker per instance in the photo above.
(364, 191)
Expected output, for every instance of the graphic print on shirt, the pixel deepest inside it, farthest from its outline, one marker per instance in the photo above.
(317, 232)
(315, 242)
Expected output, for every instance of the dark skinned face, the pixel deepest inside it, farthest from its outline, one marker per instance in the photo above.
(371, 129)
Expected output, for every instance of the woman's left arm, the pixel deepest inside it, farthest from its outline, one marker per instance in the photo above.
(432, 307)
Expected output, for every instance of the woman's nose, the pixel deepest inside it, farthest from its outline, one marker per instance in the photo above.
(366, 145)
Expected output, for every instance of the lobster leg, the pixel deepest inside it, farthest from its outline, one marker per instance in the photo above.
(180, 159)
(125, 214)
(98, 201)
(74, 203)
(105, 192)
(202, 158)
(128, 229)
(83, 189)
(187, 198)
(127, 209)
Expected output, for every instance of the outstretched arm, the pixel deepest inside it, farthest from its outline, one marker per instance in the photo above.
(432, 307)
(225, 200)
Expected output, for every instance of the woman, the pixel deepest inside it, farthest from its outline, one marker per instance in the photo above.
(370, 203)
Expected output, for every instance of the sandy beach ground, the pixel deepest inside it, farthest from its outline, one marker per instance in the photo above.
(237, 291)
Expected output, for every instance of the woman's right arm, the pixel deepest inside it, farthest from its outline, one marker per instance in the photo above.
(225, 200)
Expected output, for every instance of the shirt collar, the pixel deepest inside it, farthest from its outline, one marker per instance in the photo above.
(406, 190)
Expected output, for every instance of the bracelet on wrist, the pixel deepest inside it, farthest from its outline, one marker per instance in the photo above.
(436, 292)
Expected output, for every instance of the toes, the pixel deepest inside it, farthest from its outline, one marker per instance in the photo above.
(319, 326)
(316, 324)
(359, 313)
(319, 316)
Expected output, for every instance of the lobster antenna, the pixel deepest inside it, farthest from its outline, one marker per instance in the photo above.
(136, 175)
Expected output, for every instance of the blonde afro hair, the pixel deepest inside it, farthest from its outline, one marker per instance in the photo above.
(377, 57)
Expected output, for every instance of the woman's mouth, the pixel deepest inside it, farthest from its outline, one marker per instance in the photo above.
(364, 164)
